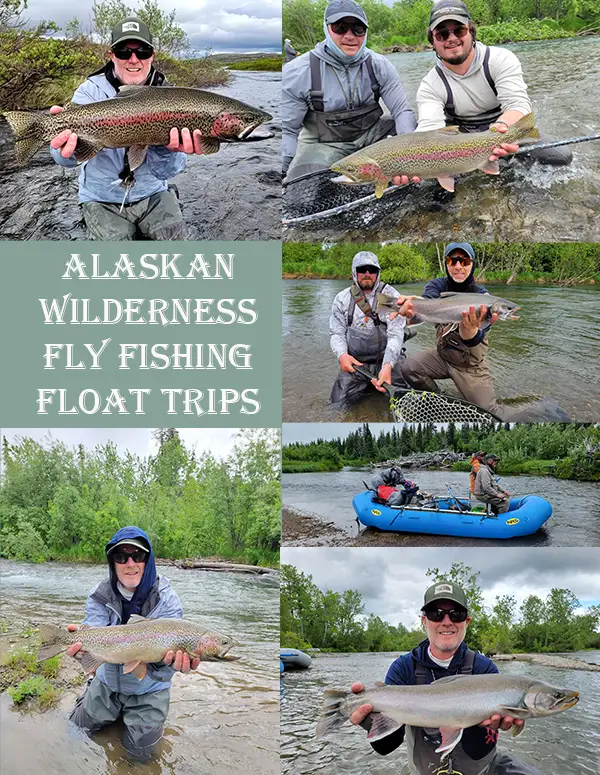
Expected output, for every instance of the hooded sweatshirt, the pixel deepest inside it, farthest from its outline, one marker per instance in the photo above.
(338, 322)
(435, 288)
(340, 83)
(153, 598)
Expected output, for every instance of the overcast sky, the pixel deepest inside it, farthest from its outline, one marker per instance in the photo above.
(392, 581)
(309, 431)
(223, 25)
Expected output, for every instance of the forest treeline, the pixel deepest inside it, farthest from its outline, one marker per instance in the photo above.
(336, 621)
(523, 263)
(404, 24)
(566, 451)
(58, 503)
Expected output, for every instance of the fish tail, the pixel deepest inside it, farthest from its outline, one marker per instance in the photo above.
(525, 129)
(53, 642)
(26, 128)
(332, 716)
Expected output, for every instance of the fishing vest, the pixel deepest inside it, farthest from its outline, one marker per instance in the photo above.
(472, 123)
(334, 126)
(421, 743)
(366, 345)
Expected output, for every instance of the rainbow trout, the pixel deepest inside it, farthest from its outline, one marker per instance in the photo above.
(449, 704)
(138, 117)
(439, 153)
(134, 644)
(448, 308)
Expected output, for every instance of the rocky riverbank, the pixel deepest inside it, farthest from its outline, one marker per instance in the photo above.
(549, 660)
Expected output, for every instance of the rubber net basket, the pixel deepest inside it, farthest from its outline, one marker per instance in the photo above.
(416, 406)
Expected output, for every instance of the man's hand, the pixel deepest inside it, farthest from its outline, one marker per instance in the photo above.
(503, 149)
(405, 308)
(404, 180)
(75, 647)
(66, 140)
(347, 362)
(473, 319)
(502, 722)
(385, 375)
(189, 142)
(181, 661)
(360, 714)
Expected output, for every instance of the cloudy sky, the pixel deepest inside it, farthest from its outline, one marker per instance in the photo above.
(309, 431)
(223, 25)
(392, 581)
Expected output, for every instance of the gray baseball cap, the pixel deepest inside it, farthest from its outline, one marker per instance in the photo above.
(131, 28)
(130, 542)
(339, 9)
(447, 10)
(445, 590)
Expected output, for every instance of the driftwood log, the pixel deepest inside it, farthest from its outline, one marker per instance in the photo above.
(218, 566)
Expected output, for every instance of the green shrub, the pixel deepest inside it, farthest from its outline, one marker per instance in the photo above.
(36, 686)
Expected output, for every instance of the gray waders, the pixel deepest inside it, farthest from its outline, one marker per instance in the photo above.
(556, 156)
(498, 505)
(143, 715)
(328, 136)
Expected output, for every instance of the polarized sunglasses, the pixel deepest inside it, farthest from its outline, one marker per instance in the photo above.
(121, 557)
(341, 28)
(124, 52)
(437, 614)
(459, 32)
(462, 260)
(367, 270)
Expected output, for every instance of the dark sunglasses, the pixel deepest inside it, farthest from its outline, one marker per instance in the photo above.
(437, 614)
(121, 557)
(367, 270)
(462, 260)
(341, 28)
(444, 34)
(124, 52)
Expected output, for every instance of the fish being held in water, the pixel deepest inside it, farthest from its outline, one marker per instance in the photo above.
(136, 643)
(438, 153)
(448, 308)
(449, 704)
(138, 117)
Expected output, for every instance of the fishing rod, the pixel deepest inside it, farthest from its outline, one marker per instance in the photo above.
(555, 144)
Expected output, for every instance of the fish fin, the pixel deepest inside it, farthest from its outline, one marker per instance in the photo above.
(135, 667)
(449, 679)
(136, 155)
(450, 739)
(446, 294)
(88, 662)
(516, 712)
(451, 130)
(53, 641)
(136, 618)
(516, 730)
(446, 182)
(46, 652)
(228, 658)
(128, 91)
(27, 149)
(379, 683)
(209, 145)
(381, 726)
(491, 167)
(526, 124)
(332, 717)
(380, 187)
(84, 150)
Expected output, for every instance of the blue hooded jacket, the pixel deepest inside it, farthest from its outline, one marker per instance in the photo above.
(154, 598)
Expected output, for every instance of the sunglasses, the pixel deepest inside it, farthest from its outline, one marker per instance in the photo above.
(459, 32)
(437, 614)
(367, 270)
(462, 260)
(121, 557)
(341, 28)
(124, 52)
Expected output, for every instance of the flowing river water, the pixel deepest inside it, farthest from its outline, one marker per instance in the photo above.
(530, 203)
(234, 194)
(568, 743)
(549, 351)
(223, 718)
(575, 519)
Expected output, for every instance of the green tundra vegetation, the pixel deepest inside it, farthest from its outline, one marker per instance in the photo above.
(568, 451)
(58, 503)
(403, 25)
(497, 263)
(336, 621)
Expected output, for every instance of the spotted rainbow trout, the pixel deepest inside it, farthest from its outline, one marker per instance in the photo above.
(138, 117)
(136, 643)
(448, 308)
(438, 153)
(449, 704)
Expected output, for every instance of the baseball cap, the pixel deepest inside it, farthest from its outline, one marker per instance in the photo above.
(131, 542)
(338, 9)
(466, 247)
(445, 590)
(446, 10)
(130, 29)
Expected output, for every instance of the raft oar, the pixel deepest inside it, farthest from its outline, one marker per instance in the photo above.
(555, 144)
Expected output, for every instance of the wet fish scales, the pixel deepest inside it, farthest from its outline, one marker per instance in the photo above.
(448, 308)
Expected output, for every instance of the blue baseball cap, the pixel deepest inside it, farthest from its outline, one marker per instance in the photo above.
(466, 247)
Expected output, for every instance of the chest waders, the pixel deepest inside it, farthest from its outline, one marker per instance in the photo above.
(421, 743)
(366, 344)
(472, 123)
(334, 126)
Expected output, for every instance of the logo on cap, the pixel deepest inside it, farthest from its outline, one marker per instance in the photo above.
(130, 27)
(443, 588)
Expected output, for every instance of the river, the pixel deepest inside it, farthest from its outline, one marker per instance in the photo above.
(568, 743)
(538, 203)
(531, 356)
(234, 194)
(575, 519)
(223, 719)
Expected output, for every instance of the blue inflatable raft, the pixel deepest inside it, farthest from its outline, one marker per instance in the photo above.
(293, 659)
(525, 516)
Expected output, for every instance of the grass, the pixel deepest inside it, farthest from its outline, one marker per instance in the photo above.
(266, 63)
(37, 687)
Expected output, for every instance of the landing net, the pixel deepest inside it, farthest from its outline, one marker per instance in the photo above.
(416, 406)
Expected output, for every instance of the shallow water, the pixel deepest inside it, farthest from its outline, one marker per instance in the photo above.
(223, 718)
(234, 194)
(568, 743)
(549, 351)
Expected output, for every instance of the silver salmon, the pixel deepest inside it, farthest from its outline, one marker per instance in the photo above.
(136, 643)
(138, 117)
(448, 308)
(449, 704)
(437, 153)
